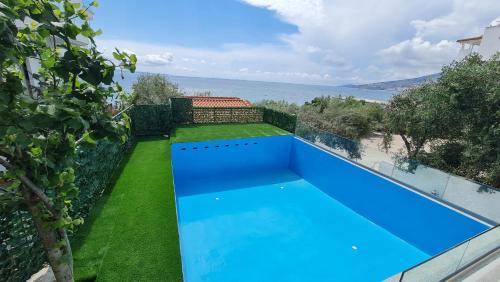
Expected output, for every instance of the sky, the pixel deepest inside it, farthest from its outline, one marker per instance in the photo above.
(330, 42)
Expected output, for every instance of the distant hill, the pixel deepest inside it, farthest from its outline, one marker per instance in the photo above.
(397, 84)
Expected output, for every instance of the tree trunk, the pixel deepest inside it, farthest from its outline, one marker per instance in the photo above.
(407, 145)
(55, 241)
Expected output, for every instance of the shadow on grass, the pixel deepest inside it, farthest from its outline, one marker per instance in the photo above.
(78, 238)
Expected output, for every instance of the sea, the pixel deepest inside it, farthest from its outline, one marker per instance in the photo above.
(256, 91)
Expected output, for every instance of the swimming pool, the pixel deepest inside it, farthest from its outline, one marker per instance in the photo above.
(281, 209)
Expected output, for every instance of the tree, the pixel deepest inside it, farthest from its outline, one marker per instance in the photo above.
(347, 116)
(458, 117)
(470, 146)
(418, 115)
(40, 122)
(154, 89)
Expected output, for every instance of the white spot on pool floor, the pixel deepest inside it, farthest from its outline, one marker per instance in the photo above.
(216, 198)
(282, 187)
(355, 248)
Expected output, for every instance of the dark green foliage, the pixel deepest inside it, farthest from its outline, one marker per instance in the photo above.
(282, 120)
(457, 117)
(280, 106)
(348, 117)
(151, 120)
(182, 110)
(418, 115)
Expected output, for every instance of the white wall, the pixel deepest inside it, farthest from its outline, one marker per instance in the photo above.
(490, 44)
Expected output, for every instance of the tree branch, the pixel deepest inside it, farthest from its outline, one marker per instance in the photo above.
(32, 186)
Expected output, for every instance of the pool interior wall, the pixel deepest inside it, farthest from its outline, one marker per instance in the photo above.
(281, 209)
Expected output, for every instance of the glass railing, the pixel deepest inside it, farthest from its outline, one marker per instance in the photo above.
(480, 200)
(446, 264)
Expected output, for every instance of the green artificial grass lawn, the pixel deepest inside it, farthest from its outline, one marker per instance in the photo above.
(224, 131)
(131, 234)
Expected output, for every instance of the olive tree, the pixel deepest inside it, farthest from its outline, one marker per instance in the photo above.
(43, 116)
(470, 142)
(419, 116)
(154, 89)
(457, 116)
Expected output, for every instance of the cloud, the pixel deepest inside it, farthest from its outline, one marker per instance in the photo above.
(309, 12)
(351, 35)
(336, 42)
(417, 57)
(464, 18)
(238, 61)
(156, 59)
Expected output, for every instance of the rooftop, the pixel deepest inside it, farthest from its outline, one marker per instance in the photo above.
(471, 40)
(218, 102)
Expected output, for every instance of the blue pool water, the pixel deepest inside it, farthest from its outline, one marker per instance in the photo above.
(280, 209)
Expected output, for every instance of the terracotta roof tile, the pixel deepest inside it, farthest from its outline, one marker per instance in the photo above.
(219, 102)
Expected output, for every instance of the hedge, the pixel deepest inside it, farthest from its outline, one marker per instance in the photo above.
(148, 120)
(282, 120)
(182, 110)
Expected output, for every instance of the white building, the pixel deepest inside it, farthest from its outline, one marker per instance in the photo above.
(486, 45)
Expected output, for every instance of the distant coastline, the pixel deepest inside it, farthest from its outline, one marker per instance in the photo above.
(396, 85)
(256, 91)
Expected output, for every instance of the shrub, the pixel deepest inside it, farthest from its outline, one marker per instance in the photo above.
(154, 89)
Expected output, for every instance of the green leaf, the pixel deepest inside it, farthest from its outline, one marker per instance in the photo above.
(69, 8)
(88, 139)
(118, 56)
(36, 151)
(133, 58)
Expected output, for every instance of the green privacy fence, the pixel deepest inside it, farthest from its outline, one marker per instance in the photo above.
(282, 120)
(21, 252)
(151, 120)
(182, 110)
(96, 167)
